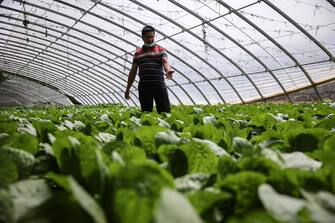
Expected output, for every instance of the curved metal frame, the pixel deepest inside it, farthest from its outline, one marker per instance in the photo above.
(231, 9)
(37, 70)
(331, 2)
(111, 53)
(131, 43)
(71, 55)
(95, 74)
(22, 92)
(170, 53)
(112, 35)
(209, 22)
(114, 82)
(190, 51)
(105, 56)
(28, 54)
(136, 34)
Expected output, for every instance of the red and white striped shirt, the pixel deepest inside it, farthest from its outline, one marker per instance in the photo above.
(150, 62)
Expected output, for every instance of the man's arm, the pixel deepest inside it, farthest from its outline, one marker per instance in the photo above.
(131, 78)
(167, 68)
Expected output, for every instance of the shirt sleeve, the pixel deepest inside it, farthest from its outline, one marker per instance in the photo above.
(163, 52)
(136, 54)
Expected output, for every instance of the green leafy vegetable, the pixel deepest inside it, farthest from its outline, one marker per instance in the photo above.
(173, 207)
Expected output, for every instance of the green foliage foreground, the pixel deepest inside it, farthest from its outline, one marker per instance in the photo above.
(224, 163)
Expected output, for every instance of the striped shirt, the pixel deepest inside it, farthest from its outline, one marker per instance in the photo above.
(149, 60)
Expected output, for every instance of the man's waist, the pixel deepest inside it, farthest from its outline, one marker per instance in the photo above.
(151, 76)
(152, 82)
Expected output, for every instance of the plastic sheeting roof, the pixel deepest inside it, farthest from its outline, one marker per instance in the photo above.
(223, 51)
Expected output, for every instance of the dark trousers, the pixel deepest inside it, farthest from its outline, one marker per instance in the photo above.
(148, 92)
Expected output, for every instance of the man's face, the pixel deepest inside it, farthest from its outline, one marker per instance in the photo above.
(149, 37)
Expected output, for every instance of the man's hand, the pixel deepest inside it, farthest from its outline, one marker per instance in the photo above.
(168, 75)
(126, 95)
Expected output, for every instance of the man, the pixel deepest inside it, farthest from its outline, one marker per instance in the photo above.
(150, 61)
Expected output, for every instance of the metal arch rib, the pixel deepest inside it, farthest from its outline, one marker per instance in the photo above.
(13, 55)
(180, 59)
(105, 41)
(288, 18)
(19, 92)
(102, 30)
(71, 88)
(77, 70)
(101, 67)
(217, 50)
(186, 77)
(23, 91)
(11, 86)
(72, 29)
(85, 33)
(92, 97)
(77, 30)
(86, 61)
(33, 5)
(231, 9)
(62, 101)
(102, 93)
(35, 81)
(81, 58)
(37, 70)
(331, 2)
(100, 17)
(185, 90)
(199, 38)
(83, 102)
(81, 46)
(240, 46)
(53, 63)
(78, 98)
(75, 49)
(78, 46)
(14, 48)
(196, 55)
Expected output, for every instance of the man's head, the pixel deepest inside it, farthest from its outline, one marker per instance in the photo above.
(148, 35)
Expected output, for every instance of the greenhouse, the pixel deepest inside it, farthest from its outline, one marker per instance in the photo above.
(245, 133)
(69, 52)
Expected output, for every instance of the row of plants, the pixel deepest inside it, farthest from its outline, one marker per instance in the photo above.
(222, 163)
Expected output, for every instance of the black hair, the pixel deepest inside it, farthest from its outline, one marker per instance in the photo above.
(147, 29)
